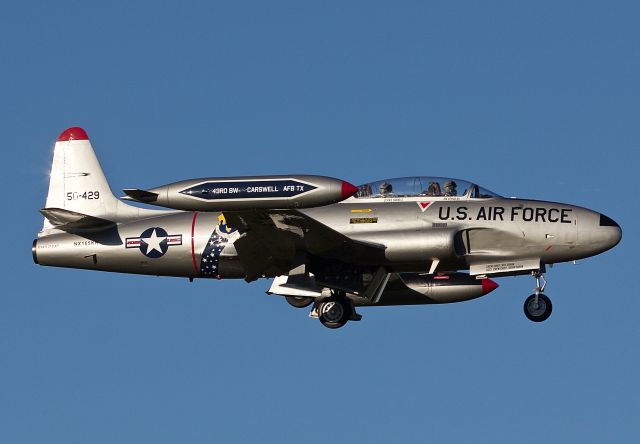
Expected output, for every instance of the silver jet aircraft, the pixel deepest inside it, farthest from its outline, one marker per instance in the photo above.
(328, 244)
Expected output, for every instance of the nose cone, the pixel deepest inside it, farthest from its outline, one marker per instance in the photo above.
(610, 231)
(597, 233)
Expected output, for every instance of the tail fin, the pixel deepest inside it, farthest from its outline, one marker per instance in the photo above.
(77, 183)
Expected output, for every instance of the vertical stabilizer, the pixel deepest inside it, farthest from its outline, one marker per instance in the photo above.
(77, 182)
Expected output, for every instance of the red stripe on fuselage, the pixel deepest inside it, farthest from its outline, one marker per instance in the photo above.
(193, 248)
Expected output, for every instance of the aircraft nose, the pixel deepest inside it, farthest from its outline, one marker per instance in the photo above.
(610, 230)
(597, 233)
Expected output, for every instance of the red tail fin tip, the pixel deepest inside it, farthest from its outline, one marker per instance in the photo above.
(74, 133)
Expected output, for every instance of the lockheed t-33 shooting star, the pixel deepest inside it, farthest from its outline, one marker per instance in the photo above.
(328, 244)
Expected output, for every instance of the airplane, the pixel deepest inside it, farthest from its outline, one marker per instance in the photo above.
(325, 242)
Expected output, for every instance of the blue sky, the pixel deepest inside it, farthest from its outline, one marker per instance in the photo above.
(532, 100)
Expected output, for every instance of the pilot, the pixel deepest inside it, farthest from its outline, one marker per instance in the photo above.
(364, 191)
(450, 188)
(433, 189)
(386, 190)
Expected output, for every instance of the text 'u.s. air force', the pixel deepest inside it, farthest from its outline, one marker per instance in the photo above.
(495, 213)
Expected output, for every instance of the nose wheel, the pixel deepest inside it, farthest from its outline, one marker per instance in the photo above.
(537, 310)
(538, 307)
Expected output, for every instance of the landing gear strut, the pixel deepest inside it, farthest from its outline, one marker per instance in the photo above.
(537, 307)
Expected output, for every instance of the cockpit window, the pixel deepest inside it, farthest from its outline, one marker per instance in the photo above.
(423, 186)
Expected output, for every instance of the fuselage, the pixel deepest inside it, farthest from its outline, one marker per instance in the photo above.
(459, 232)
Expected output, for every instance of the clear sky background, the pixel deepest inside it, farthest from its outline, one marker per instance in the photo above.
(535, 99)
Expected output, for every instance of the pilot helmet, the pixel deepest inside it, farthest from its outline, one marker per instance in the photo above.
(385, 188)
(450, 184)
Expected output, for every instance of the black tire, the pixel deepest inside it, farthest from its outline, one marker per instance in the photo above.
(334, 312)
(540, 313)
(299, 301)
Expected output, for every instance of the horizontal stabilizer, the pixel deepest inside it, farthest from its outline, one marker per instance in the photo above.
(67, 219)
(140, 195)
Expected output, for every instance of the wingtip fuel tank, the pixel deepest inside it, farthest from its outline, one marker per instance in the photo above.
(242, 193)
(402, 289)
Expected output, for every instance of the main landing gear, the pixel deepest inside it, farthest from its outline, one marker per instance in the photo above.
(335, 311)
(299, 301)
(537, 307)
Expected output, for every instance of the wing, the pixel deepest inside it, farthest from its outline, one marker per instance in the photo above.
(273, 242)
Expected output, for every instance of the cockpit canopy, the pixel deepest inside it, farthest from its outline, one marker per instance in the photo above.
(423, 186)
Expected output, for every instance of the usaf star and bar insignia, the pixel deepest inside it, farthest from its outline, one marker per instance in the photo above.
(154, 242)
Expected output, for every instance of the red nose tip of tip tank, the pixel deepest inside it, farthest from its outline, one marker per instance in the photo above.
(348, 190)
(488, 286)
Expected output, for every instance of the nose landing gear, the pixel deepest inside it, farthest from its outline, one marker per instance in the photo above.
(537, 307)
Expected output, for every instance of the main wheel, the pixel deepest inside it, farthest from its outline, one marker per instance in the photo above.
(334, 313)
(299, 301)
(537, 312)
